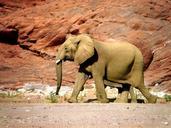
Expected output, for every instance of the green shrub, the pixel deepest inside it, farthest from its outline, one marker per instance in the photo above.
(9, 94)
(167, 97)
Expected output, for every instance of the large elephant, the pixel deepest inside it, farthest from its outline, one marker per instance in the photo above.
(115, 61)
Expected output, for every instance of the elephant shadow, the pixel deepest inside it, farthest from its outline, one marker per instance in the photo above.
(112, 100)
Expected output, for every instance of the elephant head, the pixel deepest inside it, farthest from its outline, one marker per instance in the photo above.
(76, 48)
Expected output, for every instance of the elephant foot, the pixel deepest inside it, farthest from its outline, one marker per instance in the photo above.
(122, 98)
(117, 100)
(121, 101)
(152, 99)
(133, 101)
(72, 100)
(104, 100)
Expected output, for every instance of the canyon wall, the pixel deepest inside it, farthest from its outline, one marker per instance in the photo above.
(31, 32)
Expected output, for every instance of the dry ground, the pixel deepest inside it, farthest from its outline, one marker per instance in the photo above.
(87, 115)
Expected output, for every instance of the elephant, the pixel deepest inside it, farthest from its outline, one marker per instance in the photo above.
(115, 61)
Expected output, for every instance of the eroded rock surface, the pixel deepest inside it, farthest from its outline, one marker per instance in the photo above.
(43, 25)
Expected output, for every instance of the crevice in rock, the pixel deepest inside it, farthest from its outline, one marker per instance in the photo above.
(149, 63)
(9, 35)
(39, 53)
(43, 55)
(161, 80)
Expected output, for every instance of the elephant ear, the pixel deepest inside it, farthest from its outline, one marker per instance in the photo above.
(85, 49)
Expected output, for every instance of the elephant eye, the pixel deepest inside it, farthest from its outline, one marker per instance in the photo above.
(66, 49)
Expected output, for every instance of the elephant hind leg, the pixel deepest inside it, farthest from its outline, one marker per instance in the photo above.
(124, 92)
(117, 100)
(151, 98)
(133, 95)
(124, 97)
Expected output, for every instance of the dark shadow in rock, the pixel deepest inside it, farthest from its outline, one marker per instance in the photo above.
(9, 35)
(4, 68)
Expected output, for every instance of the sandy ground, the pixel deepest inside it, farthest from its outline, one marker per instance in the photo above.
(85, 115)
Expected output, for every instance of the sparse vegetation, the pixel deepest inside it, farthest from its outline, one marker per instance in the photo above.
(9, 94)
(3, 95)
(167, 97)
(53, 98)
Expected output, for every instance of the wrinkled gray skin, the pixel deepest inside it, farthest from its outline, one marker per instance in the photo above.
(116, 61)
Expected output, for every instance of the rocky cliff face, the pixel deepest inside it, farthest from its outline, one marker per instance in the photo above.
(31, 31)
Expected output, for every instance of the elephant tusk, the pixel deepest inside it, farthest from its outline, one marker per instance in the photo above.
(57, 61)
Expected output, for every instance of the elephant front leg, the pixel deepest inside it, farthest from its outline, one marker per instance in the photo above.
(100, 90)
(79, 83)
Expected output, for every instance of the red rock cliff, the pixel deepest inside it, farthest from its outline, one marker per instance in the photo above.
(39, 26)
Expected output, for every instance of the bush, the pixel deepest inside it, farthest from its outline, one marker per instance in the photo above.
(167, 97)
(53, 98)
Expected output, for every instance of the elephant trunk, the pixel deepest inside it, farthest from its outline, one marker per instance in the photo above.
(58, 74)
(59, 59)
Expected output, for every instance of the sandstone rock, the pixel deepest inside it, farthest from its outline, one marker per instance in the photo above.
(43, 25)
